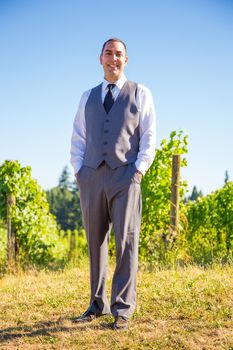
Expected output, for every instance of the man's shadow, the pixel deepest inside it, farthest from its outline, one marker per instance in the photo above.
(49, 328)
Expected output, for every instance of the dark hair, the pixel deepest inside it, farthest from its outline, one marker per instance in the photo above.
(112, 40)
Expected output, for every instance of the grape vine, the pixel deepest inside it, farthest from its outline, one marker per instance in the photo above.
(35, 228)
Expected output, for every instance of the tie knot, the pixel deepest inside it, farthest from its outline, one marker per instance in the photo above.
(111, 86)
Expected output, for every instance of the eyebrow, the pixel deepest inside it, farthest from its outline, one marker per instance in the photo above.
(117, 52)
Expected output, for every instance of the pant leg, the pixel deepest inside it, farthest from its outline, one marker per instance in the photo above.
(97, 226)
(125, 209)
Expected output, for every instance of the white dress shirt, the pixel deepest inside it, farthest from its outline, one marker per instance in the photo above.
(147, 126)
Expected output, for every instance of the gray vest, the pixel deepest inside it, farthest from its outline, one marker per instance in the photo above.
(112, 137)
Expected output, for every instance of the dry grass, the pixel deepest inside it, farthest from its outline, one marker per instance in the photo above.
(189, 308)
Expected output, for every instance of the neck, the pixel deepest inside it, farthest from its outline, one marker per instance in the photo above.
(112, 79)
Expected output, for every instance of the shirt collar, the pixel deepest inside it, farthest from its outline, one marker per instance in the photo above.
(119, 83)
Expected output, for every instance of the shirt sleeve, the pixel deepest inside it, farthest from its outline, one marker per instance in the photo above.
(147, 126)
(78, 139)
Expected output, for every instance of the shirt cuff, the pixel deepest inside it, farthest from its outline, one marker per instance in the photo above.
(141, 166)
(77, 167)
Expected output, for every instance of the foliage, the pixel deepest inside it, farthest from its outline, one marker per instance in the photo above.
(206, 223)
(71, 246)
(156, 193)
(35, 228)
(77, 243)
(209, 233)
(64, 203)
(3, 243)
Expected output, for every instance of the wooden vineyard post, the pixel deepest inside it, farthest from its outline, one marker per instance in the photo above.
(11, 241)
(174, 210)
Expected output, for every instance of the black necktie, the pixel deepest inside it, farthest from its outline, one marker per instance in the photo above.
(109, 100)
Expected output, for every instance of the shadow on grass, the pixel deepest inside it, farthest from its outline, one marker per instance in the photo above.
(49, 329)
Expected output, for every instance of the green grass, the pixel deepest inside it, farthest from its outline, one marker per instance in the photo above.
(189, 308)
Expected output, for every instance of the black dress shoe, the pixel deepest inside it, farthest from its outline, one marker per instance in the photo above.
(120, 323)
(88, 316)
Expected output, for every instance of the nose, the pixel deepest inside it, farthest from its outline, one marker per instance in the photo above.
(114, 57)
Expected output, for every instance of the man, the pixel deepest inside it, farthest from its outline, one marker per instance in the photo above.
(112, 147)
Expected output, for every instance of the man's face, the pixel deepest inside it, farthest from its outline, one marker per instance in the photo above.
(113, 60)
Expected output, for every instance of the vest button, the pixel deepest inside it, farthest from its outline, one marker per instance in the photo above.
(105, 142)
(107, 120)
(105, 131)
(105, 154)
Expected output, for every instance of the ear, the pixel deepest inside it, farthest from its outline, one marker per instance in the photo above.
(126, 59)
(101, 59)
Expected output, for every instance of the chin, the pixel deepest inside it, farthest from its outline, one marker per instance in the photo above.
(113, 77)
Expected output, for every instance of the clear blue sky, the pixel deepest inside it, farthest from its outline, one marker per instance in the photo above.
(182, 50)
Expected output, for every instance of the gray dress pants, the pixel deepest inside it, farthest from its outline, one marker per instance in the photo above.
(112, 197)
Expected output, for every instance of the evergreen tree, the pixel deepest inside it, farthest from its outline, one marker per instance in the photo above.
(64, 202)
(226, 177)
(195, 194)
(64, 179)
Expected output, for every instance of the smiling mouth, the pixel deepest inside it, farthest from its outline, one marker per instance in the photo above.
(113, 66)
